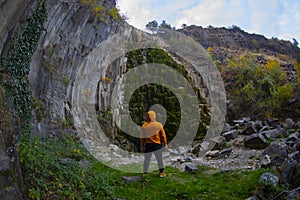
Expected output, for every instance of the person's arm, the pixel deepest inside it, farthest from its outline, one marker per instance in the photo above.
(163, 137)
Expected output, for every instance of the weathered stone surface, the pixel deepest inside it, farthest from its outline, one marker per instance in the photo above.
(277, 154)
(212, 154)
(230, 135)
(255, 141)
(235, 39)
(226, 128)
(288, 171)
(219, 142)
(271, 134)
(4, 163)
(289, 123)
(225, 153)
(250, 129)
(71, 33)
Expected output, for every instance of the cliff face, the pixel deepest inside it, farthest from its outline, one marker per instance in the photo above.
(72, 30)
(11, 13)
(235, 39)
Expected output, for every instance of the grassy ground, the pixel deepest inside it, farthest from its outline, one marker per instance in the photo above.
(55, 169)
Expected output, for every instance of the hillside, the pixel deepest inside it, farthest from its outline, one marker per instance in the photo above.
(261, 75)
(237, 40)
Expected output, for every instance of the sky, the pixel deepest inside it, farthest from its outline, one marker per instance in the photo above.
(271, 18)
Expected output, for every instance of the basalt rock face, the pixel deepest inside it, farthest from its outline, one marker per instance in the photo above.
(11, 13)
(72, 31)
(236, 39)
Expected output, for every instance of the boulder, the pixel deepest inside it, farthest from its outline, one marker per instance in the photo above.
(250, 129)
(226, 128)
(271, 134)
(264, 128)
(277, 154)
(219, 142)
(288, 171)
(269, 179)
(212, 154)
(225, 153)
(230, 135)
(258, 125)
(190, 168)
(289, 123)
(295, 156)
(255, 141)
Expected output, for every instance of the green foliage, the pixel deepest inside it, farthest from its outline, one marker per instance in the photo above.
(258, 90)
(53, 170)
(164, 24)
(17, 63)
(39, 108)
(61, 168)
(100, 12)
(206, 184)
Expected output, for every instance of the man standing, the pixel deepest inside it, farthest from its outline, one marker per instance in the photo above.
(153, 139)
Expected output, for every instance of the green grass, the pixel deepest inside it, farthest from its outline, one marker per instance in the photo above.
(205, 184)
(52, 170)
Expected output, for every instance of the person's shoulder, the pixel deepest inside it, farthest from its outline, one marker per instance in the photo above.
(145, 124)
(158, 124)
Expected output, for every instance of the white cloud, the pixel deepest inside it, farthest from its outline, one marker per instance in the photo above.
(276, 18)
(137, 11)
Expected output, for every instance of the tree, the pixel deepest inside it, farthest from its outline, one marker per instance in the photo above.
(152, 26)
(295, 42)
(183, 26)
(164, 24)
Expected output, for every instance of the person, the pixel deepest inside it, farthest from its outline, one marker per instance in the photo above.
(153, 139)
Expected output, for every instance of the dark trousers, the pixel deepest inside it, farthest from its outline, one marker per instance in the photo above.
(157, 150)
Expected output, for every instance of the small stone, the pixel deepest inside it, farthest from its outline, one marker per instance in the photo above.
(190, 168)
(266, 161)
(289, 123)
(293, 137)
(256, 141)
(225, 153)
(269, 179)
(131, 179)
(212, 154)
(253, 198)
(271, 134)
